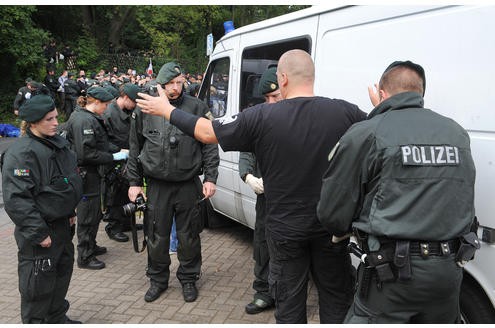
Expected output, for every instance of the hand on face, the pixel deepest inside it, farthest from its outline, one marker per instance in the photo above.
(158, 106)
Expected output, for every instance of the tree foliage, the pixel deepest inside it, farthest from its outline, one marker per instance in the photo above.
(163, 33)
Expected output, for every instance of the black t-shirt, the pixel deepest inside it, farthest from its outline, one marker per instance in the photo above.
(291, 140)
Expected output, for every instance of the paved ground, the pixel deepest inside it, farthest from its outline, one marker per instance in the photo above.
(115, 294)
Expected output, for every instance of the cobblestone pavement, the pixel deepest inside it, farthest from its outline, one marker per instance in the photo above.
(115, 294)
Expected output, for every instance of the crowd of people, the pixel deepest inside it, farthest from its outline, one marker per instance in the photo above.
(310, 198)
(67, 87)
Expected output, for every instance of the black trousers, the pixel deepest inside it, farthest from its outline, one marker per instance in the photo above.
(44, 276)
(166, 200)
(330, 266)
(89, 215)
(116, 197)
(260, 253)
(431, 296)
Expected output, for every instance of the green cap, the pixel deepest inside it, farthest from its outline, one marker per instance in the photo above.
(168, 72)
(99, 93)
(115, 93)
(35, 108)
(268, 81)
(131, 90)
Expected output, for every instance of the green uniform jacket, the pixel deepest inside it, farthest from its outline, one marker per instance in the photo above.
(160, 150)
(20, 98)
(71, 89)
(40, 183)
(118, 123)
(87, 134)
(405, 173)
(248, 165)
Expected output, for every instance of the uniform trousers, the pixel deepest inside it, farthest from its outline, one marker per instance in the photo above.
(260, 253)
(291, 262)
(117, 197)
(166, 199)
(431, 296)
(89, 215)
(45, 274)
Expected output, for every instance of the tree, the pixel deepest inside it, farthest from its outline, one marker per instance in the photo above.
(20, 49)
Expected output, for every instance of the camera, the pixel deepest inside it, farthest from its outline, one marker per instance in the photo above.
(138, 205)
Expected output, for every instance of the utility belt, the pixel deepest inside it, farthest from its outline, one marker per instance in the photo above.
(393, 260)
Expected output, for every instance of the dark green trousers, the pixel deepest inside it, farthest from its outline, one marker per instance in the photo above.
(260, 253)
(44, 276)
(89, 215)
(431, 296)
(166, 200)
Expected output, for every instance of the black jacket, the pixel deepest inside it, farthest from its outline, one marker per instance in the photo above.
(41, 184)
(160, 150)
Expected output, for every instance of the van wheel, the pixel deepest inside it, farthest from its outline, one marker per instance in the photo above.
(475, 305)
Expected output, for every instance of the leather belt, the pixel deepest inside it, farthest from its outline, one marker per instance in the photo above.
(434, 248)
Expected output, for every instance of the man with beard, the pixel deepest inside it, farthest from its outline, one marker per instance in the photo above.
(171, 162)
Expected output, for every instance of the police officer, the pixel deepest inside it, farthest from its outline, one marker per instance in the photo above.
(51, 82)
(72, 90)
(41, 188)
(404, 180)
(171, 163)
(117, 119)
(24, 94)
(291, 139)
(86, 131)
(250, 174)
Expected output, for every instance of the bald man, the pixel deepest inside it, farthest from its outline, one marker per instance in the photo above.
(291, 141)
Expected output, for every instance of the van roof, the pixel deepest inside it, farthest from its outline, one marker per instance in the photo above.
(307, 12)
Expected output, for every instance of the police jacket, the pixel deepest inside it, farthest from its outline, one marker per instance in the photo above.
(405, 173)
(23, 94)
(248, 165)
(118, 124)
(41, 185)
(52, 83)
(88, 136)
(71, 89)
(160, 150)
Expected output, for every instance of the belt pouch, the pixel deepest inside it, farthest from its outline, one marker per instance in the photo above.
(402, 260)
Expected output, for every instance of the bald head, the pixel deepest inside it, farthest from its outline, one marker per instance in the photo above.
(296, 74)
(298, 65)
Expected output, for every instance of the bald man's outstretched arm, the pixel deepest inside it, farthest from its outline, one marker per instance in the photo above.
(197, 127)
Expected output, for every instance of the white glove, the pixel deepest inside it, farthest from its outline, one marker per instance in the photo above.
(120, 156)
(255, 183)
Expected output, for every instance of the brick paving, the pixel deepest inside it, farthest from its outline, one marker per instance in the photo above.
(115, 294)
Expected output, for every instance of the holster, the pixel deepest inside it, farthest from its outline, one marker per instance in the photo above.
(469, 243)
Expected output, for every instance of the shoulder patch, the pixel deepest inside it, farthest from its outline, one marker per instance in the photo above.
(227, 120)
(21, 172)
(209, 116)
(88, 131)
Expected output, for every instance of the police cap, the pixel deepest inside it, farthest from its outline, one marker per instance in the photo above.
(131, 90)
(268, 81)
(168, 72)
(99, 93)
(112, 90)
(409, 64)
(35, 108)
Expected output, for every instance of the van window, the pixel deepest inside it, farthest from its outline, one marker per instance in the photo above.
(257, 59)
(215, 86)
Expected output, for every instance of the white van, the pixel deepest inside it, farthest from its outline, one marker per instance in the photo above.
(351, 46)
